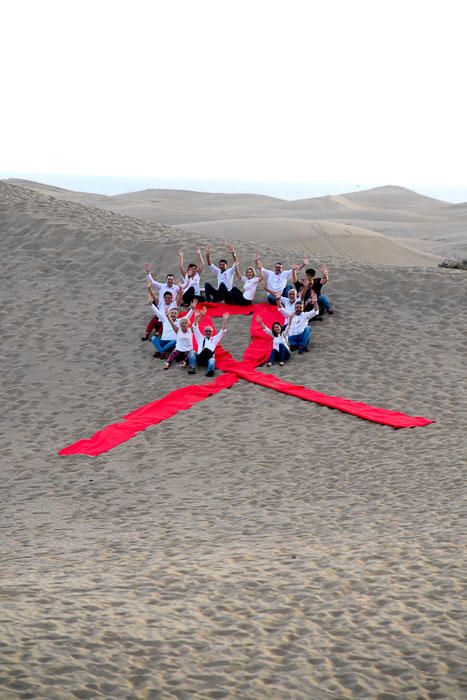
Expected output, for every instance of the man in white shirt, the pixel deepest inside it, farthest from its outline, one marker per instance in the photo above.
(224, 275)
(276, 280)
(298, 329)
(207, 344)
(162, 287)
(290, 300)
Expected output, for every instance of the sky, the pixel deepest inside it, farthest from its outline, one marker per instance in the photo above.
(298, 90)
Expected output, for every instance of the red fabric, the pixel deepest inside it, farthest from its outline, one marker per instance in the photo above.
(256, 354)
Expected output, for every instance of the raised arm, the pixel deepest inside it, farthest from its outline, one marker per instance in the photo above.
(208, 255)
(263, 325)
(232, 251)
(151, 293)
(225, 318)
(175, 328)
(258, 263)
(201, 260)
(180, 263)
(179, 296)
(325, 273)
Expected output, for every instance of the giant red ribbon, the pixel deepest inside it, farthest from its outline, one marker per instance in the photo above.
(256, 354)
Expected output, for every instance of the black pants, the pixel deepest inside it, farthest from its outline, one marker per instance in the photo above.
(190, 295)
(236, 297)
(213, 294)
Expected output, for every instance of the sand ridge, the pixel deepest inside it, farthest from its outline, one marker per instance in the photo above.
(254, 546)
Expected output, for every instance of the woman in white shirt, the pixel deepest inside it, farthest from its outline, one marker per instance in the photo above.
(183, 344)
(280, 342)
(250, 282)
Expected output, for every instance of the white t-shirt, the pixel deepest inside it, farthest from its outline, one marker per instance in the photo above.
(298, 324)
(208, 343)
(225, 277)
(163, 287)
(184, 340)
(249, 287)
(191, 282)
(276, 283)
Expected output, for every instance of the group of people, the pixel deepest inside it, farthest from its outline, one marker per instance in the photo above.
(299, 300)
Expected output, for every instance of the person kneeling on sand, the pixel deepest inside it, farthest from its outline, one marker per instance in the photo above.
(170, 324)
(280, 346)
(299, 330)
(183, 350)
(207, 344)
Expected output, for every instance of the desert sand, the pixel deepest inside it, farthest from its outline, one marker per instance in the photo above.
(255, 546)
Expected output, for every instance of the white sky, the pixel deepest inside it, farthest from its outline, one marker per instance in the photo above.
(331, 90)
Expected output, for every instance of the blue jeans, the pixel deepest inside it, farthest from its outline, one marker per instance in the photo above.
(324, 301)
(272, 299)
(301, 341)
(282, 354)
(192, 359)
(162, 345)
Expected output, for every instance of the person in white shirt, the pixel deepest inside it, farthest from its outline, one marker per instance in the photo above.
(207, 343)
(162, 287)
(224, 275)
(183, 343)
(276, 280)
(280, 346)
(290, 300)
(299, 330)
(169, 301)
(250, 282)
(170, 324)
(191, 278)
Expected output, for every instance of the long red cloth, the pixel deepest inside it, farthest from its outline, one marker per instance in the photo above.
(256, 354)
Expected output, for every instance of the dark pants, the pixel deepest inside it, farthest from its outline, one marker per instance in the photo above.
(213, 294)
(282, 354)
(190, 295)
(236, 297)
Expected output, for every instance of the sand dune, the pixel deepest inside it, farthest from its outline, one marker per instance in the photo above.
(418, 222)
(254, 546)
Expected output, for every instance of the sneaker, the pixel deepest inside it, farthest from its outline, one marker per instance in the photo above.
(145, 337)
(182, 364)
(300, 352)
(281, 364)
(166, 366)
(157, 354)
(210, 373)
(330, 311)
(269, 364)
(191, 370)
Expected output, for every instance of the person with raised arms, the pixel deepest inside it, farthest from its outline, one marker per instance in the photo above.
(224, 274)
(310, 284)
(276, 281)
(299, 330)
(170, 323)
(191, 278)
(207, 343)
(183, 351)
(168, 302)
(162, 287)
(250, 282)
(280, 346)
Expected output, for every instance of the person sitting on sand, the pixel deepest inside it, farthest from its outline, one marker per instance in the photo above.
(183, 350)
(299, 330)
(169, 302)
(224, 277)
(191, 278)
(311, 283)
(250, 282)
(162, 287)
(290, 300)
(276, 281)
(280, 346)
(166, 343)
(207, 343)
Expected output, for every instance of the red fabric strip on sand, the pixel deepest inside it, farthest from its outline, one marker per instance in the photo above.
(256, 354)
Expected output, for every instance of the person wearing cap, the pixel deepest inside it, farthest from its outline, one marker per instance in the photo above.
(207, 343)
